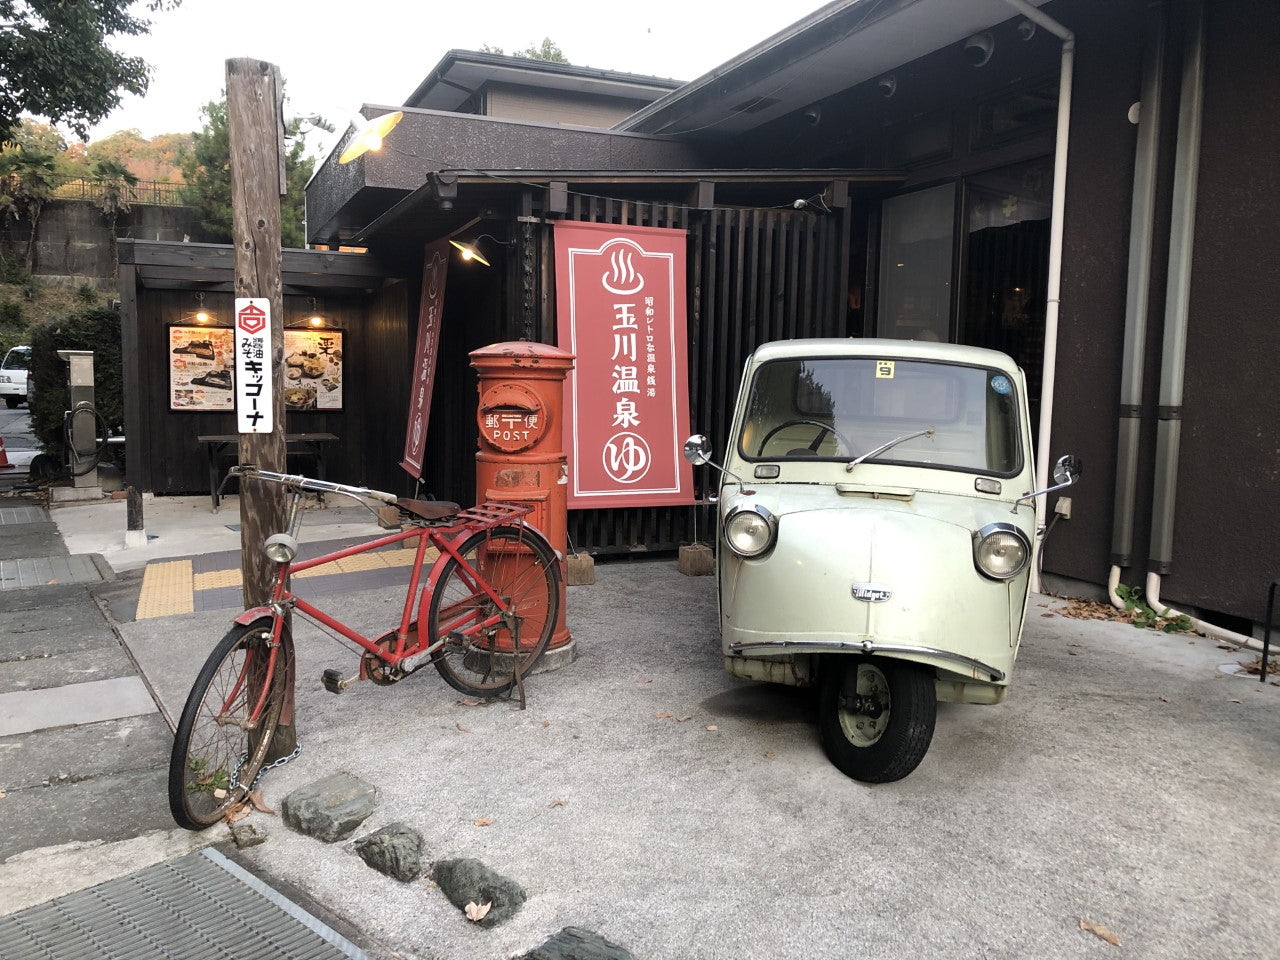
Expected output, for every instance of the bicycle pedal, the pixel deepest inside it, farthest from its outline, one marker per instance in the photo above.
(333, 680)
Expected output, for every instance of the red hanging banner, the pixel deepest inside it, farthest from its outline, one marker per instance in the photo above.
(620, 298)
(435, 268)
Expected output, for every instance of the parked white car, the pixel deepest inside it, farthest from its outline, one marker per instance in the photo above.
(13, 376)
(876, 535)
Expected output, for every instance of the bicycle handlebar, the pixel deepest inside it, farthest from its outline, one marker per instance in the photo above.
(298, 482)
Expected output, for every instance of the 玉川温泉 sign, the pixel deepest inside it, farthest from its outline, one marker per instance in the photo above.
(435, 269)
(253, 365)
(620, 294)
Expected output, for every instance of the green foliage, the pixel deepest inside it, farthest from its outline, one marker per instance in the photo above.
(206, 174)
(12, 314)
(93, 328)
(1135, 602)
(57, 60)
(547, 50)
(86, 294)
(27, 180)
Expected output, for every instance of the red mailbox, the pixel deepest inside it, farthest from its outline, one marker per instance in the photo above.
(521, 457)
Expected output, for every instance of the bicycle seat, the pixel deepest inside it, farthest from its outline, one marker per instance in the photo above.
(428, 509)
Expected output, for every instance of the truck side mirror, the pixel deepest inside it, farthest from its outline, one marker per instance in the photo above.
(697, 450)
(1067, 470)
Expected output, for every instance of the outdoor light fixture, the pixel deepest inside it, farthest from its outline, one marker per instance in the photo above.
(370, 134)
(471, 251)
(201, 315)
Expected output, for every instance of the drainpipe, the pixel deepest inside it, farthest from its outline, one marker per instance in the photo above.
(1141, 228)
(1173, 359)
(1053, 294)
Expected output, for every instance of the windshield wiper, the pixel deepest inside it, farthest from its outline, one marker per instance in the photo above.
(885, 446)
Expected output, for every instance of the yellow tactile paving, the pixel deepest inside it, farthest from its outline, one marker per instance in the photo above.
(217, 578)
(166, 590)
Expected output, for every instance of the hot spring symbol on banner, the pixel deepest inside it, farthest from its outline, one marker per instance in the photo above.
(621, 308)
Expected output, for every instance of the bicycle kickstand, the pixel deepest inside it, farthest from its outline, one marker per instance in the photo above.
(517, 673)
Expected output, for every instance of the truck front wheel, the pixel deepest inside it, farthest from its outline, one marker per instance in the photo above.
(876, 716)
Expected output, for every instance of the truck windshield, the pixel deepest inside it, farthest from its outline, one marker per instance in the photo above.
(840, 408)
(16, 360)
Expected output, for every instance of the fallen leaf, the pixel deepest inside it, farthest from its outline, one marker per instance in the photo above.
(665, 715)
(464, 728)
(483, 821)
(3, 794)
(1226, 646)
(477, 911)
(1165, 700)
(769, 754)
(259, 804)
(1100, 931)
(1235, 701)
(469, 702)
(683, 719)
(644, 681)
(238, 812)
(546, 723)
(219, 793)
(1046, 614)
(712, 726)
(557, 803)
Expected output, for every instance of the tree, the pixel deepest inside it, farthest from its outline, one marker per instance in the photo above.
(116, 180)
(27, 180)
(206, 174)
(56, 61)
(548, 50)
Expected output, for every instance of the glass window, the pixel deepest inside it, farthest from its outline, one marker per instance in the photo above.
(840, 408)
(17, 359)
(916, 242)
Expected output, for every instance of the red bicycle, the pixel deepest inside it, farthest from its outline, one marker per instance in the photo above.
(484, 618)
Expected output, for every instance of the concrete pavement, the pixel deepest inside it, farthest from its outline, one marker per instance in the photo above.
(1127, 781)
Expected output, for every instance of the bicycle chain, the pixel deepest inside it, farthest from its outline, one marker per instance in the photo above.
(244, 758)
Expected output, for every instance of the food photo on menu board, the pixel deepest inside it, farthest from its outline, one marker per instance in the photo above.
(201, 360)
(313, 369)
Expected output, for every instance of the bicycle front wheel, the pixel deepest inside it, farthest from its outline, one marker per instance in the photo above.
(227, 725)
(485, 653)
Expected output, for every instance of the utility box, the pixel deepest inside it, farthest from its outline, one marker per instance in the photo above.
(84, 443)
(521, 457)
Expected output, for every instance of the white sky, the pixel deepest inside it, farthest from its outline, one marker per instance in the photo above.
(336, 55)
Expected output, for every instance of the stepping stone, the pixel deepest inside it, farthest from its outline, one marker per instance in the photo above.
(470, 881)
(574, 943)
(248, 835)
(330, 809)
(395, 850)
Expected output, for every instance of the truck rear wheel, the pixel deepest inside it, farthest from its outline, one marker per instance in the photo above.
(876, 716)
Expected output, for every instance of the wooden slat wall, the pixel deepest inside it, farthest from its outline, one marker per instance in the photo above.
(754, 275)
(375, 329)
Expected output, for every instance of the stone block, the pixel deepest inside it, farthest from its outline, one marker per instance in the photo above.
(579, 570)
(696, 560)
(470, 881)
(329, 809)
(395, 850)
(574, 943)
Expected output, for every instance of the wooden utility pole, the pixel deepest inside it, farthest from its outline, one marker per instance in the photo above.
(255, 127)
(257, 182)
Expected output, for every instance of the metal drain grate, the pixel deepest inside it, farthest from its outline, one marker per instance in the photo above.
(201, 906)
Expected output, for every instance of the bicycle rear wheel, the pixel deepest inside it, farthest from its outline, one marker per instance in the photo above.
(224, 735)
(480, 657)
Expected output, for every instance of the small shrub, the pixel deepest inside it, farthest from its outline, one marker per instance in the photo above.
(87, 295)
(12, 314)
(14, 272)
(30, 288)
(93, 328)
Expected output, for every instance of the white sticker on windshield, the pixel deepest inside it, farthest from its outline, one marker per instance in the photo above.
(884, 369)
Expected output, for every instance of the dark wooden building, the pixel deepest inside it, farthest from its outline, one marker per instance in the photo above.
(887, 167)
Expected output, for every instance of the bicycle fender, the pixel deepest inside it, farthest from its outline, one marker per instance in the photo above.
(255, 613)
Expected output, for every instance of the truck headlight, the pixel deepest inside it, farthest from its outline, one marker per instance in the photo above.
(1000, 551)
(750, 530)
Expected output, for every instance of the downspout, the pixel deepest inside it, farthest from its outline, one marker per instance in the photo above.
(1141, 229)
(1054, 291)
(1177, 299)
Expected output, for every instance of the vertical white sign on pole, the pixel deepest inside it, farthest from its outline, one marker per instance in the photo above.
(253, 365)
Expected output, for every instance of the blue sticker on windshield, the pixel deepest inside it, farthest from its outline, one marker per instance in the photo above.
(1001, 385)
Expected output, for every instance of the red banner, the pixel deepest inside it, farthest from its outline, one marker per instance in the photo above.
(435, 268)
(620, 297)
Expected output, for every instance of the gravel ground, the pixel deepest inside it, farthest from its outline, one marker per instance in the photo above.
(1125, 782)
